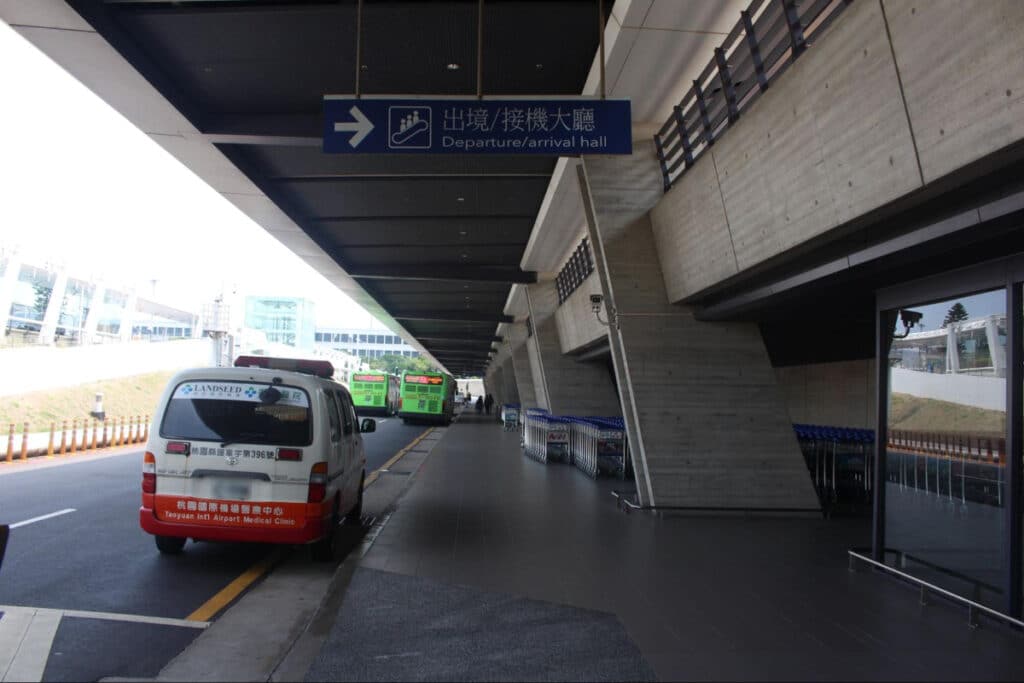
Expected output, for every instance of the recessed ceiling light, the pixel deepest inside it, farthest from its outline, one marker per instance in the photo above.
(462, 256)
(538, 66)
(460, 199)
(462, 233)
(365, 68)
(452, 66)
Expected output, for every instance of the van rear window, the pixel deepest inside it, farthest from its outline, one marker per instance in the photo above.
(238, 412)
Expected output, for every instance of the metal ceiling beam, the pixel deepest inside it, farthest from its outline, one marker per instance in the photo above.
(452, 316)
(466, 338)
(444, 271)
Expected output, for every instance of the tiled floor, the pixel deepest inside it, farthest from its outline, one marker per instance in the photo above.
(708, 598)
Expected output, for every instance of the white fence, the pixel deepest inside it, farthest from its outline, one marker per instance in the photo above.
(27, 369)
(971, 390)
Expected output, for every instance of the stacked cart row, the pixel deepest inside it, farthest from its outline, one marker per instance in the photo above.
(594, 444)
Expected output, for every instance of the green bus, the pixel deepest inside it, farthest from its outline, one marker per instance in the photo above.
(427, 397)
(374, 393)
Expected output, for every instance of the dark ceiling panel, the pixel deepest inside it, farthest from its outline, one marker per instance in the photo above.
(443, 255)
(465, 230)
(427, 197)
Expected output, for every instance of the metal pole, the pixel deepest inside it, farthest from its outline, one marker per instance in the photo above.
(600, 34)
(359, 47)
(1013, 452)
(480, 50)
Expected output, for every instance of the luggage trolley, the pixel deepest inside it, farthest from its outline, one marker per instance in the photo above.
(599, 445)
(535, 433)
(510, 416)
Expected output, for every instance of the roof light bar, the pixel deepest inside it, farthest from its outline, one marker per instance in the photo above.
(320, 368)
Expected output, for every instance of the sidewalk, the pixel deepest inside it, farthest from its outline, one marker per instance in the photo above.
(491, 566)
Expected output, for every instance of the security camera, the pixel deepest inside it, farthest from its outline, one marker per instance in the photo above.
(910, 318)
(596, 299)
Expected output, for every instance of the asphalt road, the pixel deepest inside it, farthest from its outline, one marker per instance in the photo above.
(96, 558)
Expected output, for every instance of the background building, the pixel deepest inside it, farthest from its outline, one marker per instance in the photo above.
(285, 320)
(363, 342)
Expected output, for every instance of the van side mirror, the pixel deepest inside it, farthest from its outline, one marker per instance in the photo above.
(367, 425)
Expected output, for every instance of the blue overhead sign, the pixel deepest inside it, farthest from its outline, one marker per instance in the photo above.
(563, 127)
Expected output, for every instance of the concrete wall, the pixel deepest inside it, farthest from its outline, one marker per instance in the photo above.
(832, 139)
(521, 365)
(577, 325)
(968, 390)
(571, 387)
(837, 394)
(37, 368)
(707, 423)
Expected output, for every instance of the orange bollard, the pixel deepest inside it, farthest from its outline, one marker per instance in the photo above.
(63, 437)
(92, 444)
(106, 440)
(145, 429)
(10, 443)
(138, 428)
(133, 429)
(49, 446)
(74, 435)
(24, 442)
(119, 431)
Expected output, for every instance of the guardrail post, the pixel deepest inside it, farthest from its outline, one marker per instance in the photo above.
(63, 437)
(10, 443)
(664, 176)
(24, 441)
(702, 107)
(796, 30)
(74, 436)
(725, 76)
(755, 51)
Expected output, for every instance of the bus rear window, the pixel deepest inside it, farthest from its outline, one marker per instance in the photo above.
(238, 412)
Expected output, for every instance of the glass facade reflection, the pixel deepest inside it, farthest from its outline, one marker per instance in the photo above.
(946, 447)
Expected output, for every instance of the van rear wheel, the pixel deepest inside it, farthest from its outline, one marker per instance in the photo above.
(323, 549)
(355, 515)
(170, 545)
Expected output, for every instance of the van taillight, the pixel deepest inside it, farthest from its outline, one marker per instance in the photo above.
(178, 447)
(289, 454)
(148, 473)
(317, 483)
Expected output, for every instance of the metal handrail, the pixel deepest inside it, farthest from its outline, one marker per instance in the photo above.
(770, 36)
(972, 607)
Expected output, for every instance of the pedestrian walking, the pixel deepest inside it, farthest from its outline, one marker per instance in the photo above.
(479, 404)
(488, 402)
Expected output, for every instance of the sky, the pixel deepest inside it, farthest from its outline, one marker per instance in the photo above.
(83, 185)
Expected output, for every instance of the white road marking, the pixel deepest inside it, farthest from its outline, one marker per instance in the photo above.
(32, 632)
(109, 616)
(42, 517)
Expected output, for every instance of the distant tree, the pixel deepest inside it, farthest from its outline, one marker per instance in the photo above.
(392, 362)
(955, 314)
(42, 291)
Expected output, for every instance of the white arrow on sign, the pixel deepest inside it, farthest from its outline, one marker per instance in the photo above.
(362, 126)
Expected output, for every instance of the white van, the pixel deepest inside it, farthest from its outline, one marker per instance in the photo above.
(267, 451)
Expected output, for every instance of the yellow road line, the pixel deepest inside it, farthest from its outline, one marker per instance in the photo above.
(234, 589)
(231, 591)
(395, 458)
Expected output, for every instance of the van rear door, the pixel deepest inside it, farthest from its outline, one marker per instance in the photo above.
(236, 430)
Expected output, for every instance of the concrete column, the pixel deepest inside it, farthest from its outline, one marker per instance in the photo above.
(510, 388)
(997, 350)
(707, 424)
(516, 341)
(952, 352)
(53, 309)
(7, 286)
(127, 316)
(92, 320)
(571, 387)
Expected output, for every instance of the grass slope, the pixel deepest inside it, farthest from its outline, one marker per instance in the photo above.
(928, 415)
(123, 396)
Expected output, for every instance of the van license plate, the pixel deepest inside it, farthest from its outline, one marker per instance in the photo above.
(231, 490)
